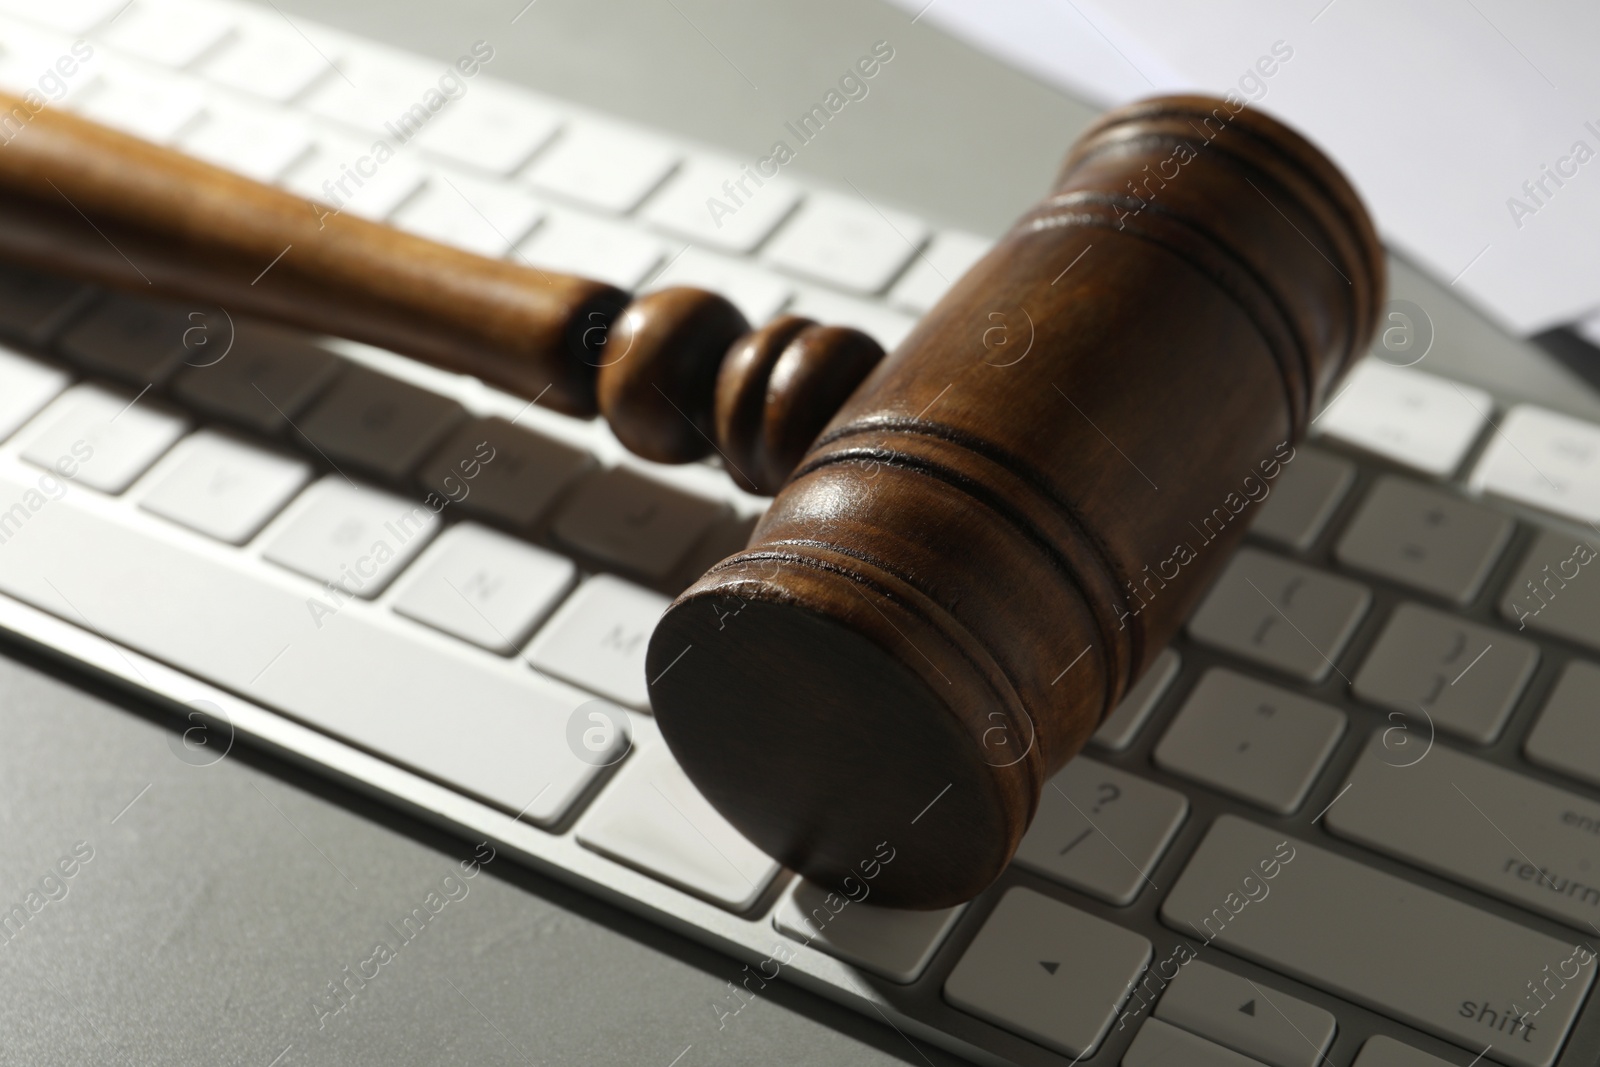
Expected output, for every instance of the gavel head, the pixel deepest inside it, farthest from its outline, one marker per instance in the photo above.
(1016, 509)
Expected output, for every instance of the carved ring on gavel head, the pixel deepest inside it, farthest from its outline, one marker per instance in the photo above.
(972, 553)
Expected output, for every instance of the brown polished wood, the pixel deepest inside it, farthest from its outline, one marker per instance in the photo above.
(978, 542)
(658, 372)
(1016, 510)
(80, 199)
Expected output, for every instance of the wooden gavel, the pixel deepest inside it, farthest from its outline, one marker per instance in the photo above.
(976, 547)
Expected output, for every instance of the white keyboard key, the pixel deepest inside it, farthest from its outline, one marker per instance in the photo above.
(635, 522)
(1418, 420)
(1047, 971)
(373, 680)
(488, 218)
(485, 587)
(268, 57)
(353, 538)
(68, 69)
(223, 487)
(892, 943)
(34, 307)
(156, 108)
(1545, 460)
(1567, 737)
(345, 175)
(257, 142)
(1549, 593)
(104, 437)
(1280, 614)
(654, 819)
(26, 386)
(1101, 830)
(139, 340)
(598, 639)
(847, 242)
(68, 16)
(592, 248)
(948, 256)
(697, 203)
(1120, 728)
(602, 165)
(380, 86)
(170, 33)
(1261, 1022)
(1252, 740)
(758, 294)
(883, 325)
(495, 128)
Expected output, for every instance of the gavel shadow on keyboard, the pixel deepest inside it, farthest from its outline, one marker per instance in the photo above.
(978, 541)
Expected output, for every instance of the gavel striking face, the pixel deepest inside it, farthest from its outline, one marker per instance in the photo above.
(977, 542)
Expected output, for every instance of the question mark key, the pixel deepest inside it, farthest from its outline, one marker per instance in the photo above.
(1098, 828)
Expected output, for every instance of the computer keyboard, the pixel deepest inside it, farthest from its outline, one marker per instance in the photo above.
(1352, 816)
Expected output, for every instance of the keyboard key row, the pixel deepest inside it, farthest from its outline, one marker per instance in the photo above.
(351, 417)
(1534, 456)
(495, 734)
(841, 241)
(1404, 951)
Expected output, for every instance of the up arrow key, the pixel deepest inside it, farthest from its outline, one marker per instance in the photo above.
(1051, 967)
(1265, 1024)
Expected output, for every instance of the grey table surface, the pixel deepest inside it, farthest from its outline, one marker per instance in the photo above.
(221, 901)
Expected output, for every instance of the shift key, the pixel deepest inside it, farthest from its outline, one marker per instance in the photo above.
(1473, 822)
(1404, 951)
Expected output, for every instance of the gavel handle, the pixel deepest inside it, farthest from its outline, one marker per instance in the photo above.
(91, 202)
